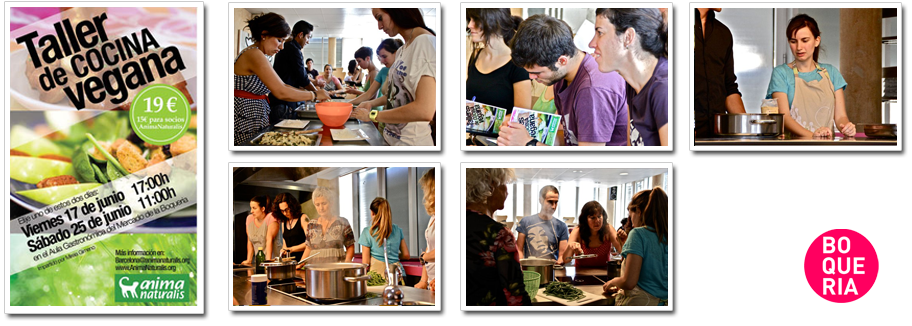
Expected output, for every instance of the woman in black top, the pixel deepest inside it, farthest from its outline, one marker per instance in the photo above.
(287, 211)
(492, 78)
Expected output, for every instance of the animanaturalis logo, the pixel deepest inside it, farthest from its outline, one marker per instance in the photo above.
(151, 287)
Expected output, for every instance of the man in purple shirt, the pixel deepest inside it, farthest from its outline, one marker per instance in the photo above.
(593, 104)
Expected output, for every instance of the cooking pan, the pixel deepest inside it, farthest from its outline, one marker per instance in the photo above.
(545, 267)
(336, 281)
(749, 124)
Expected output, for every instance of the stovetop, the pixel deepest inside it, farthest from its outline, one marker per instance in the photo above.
(292, 289)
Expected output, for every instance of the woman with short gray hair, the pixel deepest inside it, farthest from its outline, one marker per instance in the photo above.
(493, 273)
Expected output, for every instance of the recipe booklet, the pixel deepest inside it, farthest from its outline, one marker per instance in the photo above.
(483, 119)
(541, 126)
(105, 165)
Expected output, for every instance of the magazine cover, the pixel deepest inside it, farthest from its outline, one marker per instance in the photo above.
(104, 135)
(541, 126)
(483, 119)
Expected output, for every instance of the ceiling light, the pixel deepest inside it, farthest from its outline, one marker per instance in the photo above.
(624, 173)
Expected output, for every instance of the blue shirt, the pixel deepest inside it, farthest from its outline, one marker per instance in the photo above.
(395, 238)
(542, 237)
(644, 242)
(381, 78)
(783, 80)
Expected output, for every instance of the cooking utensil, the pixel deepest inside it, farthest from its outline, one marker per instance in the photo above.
(589, 298)
(544, 267)
(309, 257)
(311, 131)
(584, 256)
(336, 281)
(880, 130)
(279, 270)
(749, 124)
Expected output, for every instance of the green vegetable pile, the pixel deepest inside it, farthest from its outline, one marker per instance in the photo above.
(564, 291)
(376, 279)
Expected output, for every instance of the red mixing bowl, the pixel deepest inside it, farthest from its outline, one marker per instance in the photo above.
(333, 114)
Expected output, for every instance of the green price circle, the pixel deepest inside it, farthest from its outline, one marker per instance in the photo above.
(160, 114)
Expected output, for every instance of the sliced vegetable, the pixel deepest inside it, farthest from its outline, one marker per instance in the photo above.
(111, 159)
(376, 279)
(564, 291)
(83, 167)
(34, 169)
(100, 176)
(25, 140)
(56, 194)
(112, 173)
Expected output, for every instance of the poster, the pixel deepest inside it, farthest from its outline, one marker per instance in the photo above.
(105, 165)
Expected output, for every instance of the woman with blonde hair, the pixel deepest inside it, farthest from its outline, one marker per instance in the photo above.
(493, 273)
(329, 235)
(428, 258)
(644, 271)
(382, 232)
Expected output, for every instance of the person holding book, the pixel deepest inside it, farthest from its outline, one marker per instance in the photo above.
(492, 77)
(593, 104)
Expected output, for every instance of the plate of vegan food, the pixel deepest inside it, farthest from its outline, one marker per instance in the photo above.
(56, 155)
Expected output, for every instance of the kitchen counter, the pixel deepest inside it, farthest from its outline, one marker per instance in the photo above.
(586, 279)
(803, 141)
(242, 287)
(374, 136)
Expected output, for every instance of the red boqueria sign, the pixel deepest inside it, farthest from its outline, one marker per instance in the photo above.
(841, 265)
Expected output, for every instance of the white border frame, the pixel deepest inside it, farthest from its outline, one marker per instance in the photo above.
(229, 80)
(201, 240)
(629, 166)
(785, 147)
(672, 71)
(304, 307)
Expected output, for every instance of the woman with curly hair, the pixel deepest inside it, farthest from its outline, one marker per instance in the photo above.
(493, 273)
(429, 257)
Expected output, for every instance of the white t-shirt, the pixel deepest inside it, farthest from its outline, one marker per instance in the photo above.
(431, 237)
(412, 61)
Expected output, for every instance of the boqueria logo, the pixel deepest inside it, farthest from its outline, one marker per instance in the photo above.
(151, 287)
(841, 265)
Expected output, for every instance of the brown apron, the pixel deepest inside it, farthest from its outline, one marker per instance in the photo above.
(814, 103)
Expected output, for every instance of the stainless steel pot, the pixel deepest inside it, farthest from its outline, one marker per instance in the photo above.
(749, 124)
(336, 281)
(545, 267)
(280, 270)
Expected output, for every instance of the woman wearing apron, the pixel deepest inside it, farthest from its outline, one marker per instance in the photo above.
(329, 236)
(811, 93)
(261, 230)
(644, 270)
(254, 78)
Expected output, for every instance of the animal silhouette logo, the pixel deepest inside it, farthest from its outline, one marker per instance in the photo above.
(126, 289)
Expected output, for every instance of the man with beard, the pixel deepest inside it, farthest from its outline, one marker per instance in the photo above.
(547, 237)
(593, 104)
